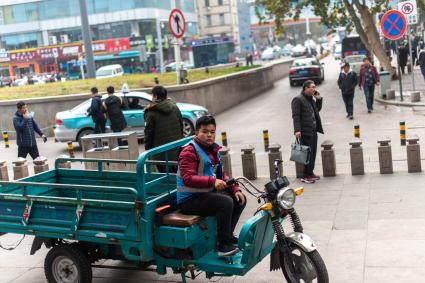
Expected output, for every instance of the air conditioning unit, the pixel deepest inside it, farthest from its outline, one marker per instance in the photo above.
(53, 40)
(64, 38)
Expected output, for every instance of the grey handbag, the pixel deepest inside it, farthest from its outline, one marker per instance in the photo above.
(300, 153)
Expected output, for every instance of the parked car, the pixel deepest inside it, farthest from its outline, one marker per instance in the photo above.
(269, 54)
(306, 69)
(73, 124)
(337, 52)
(183, 65)
(109, 71)
(285, 52)
(299, 51)
(355, 62)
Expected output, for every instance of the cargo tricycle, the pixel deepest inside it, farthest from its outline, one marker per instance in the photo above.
(84, 216)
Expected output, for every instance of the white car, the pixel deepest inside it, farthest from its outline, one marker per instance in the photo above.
(109, 71)
(355, 62)
(269, 54)
(337, 52)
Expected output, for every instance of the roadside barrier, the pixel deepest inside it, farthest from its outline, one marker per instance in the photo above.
(249, 164)
(40, 165)
(224, 138)
(20, 168)
(385, 156)
(356, 157)
(328, 159)
(227, 161)
(266, 140)
(6, 139)
(402, 133)
(4, 175)
(357, 131)
(413, 155)
(274, 154)
(71, 150)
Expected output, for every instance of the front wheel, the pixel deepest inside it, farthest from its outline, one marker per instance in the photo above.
(309, 267)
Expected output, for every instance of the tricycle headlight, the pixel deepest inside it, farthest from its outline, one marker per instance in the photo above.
(200, 113)
(286, 198)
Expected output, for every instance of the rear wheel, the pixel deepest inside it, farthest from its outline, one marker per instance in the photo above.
(309, 267)
(292, 83)
(188, 128)
(67, 264)
(83, 133)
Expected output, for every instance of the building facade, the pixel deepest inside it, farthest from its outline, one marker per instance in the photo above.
(28, 25)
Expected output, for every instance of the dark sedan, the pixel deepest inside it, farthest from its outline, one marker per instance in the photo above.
(306, 69)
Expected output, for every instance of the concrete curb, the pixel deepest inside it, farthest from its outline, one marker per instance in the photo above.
(398, 103)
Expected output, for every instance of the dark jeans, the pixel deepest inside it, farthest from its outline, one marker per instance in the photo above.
(100, 127)
(23, 151)
(222, 205)
(348, 101)
(310, 141)
(423, 73)
(369, 92)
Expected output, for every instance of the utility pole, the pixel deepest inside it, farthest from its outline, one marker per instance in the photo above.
(85, 28)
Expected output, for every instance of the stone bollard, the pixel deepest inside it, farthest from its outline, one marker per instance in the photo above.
(356, 156)
(415, 96)
(385, 156)
(40, 165)
(67, 164)
(4, 175)
(390, 94)
(413, 155)
(274, 153)
(20, 168)
(249, 165)
(227, 161)
(328, 159)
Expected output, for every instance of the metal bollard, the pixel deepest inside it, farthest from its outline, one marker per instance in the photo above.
(415, 96)
(4, 175)
(385, 156)
(224, 139)
(274, 154)
(20, 168)
(413, 155)
(357, 131)
(328, 159)
(402, 133)
(71, 150)
(40, 165)
(266, 140)
(356, 156)
(227, 161)
(6, 139)
(66, 164)
(249, 164)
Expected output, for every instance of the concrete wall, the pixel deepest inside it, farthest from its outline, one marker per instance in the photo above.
(217, 95)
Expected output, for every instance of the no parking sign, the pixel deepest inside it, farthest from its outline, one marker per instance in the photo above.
(393, 24)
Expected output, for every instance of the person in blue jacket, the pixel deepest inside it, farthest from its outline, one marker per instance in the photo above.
(26, 127)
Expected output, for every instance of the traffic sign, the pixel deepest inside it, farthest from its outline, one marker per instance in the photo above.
(393, 24)
(408, 8)
(177, 23)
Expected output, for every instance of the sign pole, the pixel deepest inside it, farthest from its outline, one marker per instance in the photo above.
(399, 70)
(411, 64)
(178, 59)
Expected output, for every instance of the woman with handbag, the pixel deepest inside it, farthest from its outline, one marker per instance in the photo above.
(307, 123)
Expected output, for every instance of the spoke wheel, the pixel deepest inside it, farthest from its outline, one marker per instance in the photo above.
(188, 129)
(309, 267)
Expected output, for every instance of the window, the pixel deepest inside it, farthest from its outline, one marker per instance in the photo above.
(54, 9)
(207, 3)
(20, 13)
(220, 2)
(21, 41)
(209, 22)
(222, 19)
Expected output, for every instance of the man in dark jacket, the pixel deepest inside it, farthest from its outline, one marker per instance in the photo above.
(368, 78)
(96, 113)
(25, 126)
(347, 82)
(113, 106)
(421, 61)
(307, 123)
(163, 123)
(403, 55)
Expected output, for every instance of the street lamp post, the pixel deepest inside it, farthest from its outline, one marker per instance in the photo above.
(161, 51)
(85, 27)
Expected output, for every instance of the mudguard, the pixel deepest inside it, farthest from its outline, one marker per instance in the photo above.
(302, 240)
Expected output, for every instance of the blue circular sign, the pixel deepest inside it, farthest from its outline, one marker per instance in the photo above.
(393, 24)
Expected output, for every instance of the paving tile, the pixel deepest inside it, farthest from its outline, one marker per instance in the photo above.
(351, 219)
(394, 275)
(395, 253)
(396, 229)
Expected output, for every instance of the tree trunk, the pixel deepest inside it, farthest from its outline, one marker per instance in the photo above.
(357, 24)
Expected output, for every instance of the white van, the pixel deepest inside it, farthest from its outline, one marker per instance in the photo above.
(109, 71)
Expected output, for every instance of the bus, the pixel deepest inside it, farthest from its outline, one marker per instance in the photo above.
(353, 45)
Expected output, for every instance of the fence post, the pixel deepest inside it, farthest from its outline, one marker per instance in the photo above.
(266, 140)
(402, 133)
(274, 154)
(328, 159)
(71, 150)
(4, 175)
(40, 165)
(224, 139)
(227, 161)
(20, 168)
(6, 139)
(413, 155)
(356, 156)
(249, 164)
(357, 131)
(385, 156)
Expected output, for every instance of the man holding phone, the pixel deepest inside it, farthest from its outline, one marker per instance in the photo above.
(25, 126)
(307, 123)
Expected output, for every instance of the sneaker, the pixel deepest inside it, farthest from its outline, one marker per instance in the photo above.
(226, 250)
(348, 116)
(308, 180)
(234, 240)
(314, 177)
(351, 117)
(369, 111)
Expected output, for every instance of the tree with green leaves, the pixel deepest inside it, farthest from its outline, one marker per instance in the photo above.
(357, 14)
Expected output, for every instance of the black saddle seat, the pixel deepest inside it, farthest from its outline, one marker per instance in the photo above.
(180, 220)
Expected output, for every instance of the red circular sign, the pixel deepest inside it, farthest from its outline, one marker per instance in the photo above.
(177, 23)
(393, 24)
(407, 8)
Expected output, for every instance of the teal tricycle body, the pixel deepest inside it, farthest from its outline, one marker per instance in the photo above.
(87, 215)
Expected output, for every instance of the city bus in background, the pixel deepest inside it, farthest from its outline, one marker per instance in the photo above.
(353, 45)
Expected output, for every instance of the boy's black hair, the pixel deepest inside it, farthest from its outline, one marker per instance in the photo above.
(110, 89)
(94, 90)
(160, 92)
(20, 104)
(205, 121)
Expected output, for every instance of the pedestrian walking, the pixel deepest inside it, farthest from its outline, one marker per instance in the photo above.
(307, 123)
(421, 61)
(25, 126)
(96, 113)
(163, 124)
(403, 55)
(112, 107)
(368, 78)
(347, 82)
